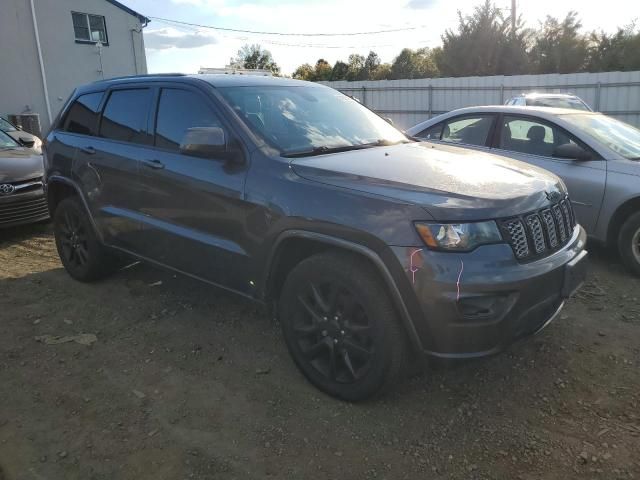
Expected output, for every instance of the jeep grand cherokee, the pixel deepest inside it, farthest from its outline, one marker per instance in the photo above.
(369, 245)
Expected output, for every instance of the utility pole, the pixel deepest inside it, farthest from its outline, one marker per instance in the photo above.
(513, 17)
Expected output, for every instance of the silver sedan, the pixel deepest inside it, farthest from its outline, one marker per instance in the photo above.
(597, 156)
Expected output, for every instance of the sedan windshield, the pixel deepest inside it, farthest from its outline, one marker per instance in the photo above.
(6, 141)
(6, 126)
(309, 120)
(618, 136)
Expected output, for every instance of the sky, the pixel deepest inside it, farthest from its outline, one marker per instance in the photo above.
(174, 48)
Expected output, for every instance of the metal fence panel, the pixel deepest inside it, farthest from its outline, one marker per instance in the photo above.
(408, 102)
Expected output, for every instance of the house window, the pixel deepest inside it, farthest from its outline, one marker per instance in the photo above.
(89, 28)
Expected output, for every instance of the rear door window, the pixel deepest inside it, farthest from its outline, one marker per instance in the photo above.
(125, 115)
(432, 133)
(468, 130)
(82, 116)
(528, 136)
(178, 111)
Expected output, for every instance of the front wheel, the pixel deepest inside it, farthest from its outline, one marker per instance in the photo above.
(80, 251)
(629, 243)
(340, 326)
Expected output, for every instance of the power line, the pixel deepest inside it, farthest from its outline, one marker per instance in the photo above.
(282, 44)
(238, 30)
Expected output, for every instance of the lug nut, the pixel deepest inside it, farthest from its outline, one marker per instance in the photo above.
(341, 332)
(335, 340)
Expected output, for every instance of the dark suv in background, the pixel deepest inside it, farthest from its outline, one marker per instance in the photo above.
(370, 246)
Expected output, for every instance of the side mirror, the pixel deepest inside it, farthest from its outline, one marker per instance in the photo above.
(204, 142)
(388, 120)
(27, 142)
(571, 151)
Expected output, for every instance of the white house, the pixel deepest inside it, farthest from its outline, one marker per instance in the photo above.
(48, 47)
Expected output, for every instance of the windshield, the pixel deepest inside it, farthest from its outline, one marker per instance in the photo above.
(6, 141)
(558, 102)
(6, 126)
(618, 136)
(309, 119)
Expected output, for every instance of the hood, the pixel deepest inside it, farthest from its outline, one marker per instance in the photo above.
(20, 164)
(451, 183)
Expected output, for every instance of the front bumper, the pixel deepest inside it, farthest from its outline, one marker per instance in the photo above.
(23, 208)
(476, 304)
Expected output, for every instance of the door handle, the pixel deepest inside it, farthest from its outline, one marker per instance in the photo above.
(155, 164)
(88, 150)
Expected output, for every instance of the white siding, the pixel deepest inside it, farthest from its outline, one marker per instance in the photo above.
(406, 102)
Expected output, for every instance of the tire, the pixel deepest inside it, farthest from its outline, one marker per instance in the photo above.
(629, 243)
(341, 328)
(81, 253)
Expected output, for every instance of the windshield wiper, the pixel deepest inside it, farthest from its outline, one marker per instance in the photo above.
(343, 148)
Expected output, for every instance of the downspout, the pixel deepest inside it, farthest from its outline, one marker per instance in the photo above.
(44, 77)
(133, 47)
(133, 43)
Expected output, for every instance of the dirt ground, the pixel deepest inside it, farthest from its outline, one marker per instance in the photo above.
(185, 381)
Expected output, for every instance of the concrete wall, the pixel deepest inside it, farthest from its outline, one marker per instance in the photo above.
(408, 102)
(67, 63)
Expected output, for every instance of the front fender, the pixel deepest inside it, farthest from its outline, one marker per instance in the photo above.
(358, 249)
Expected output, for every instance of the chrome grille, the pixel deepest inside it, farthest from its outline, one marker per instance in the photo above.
(559, 222)
(518, 237)
(535, 227)
(550, 226)
(540, 233)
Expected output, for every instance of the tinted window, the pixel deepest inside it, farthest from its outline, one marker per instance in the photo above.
(83, 114)
(529, 136)
(472, 130)
(432, 133)
(125, 115)
(178, 111)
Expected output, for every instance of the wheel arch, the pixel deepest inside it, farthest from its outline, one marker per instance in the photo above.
(620, 215)
(59, 188)
(303, 244)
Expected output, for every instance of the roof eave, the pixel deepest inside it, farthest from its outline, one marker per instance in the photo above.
(139, 16)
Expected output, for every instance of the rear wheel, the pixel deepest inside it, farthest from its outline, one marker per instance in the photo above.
(81, 253)
(629, 243)
(341, 327)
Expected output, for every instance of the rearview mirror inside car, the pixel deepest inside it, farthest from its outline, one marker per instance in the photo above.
(204, 142)
(571, 151)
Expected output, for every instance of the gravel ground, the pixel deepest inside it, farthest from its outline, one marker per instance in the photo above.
(185, 381)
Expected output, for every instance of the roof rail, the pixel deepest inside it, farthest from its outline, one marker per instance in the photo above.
(147, 75)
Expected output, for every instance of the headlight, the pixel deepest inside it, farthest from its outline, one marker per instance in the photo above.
(458, 236)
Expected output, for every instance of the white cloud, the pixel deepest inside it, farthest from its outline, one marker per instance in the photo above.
(166, 38)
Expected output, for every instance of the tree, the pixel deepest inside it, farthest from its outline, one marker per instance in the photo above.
(356, 64)
(484, 44)
(304, 72)
(414, 64)
(322, 70)
(340, 71)
(617, 52)
(371, 64)
(383, 72)
(559, 46)
(255, 57)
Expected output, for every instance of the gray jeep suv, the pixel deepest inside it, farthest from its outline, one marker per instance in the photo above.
(369, 246)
